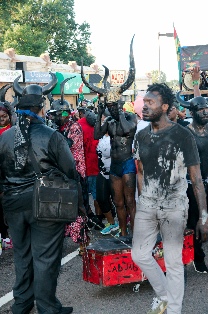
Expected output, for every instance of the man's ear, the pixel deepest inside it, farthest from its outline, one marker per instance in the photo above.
(43, 112)
(165, 107)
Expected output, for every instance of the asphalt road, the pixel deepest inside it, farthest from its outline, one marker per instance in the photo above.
(89, 298)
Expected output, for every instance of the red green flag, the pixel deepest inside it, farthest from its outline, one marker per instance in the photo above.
(178, 53)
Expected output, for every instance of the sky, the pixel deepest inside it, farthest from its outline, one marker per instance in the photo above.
(114, 22)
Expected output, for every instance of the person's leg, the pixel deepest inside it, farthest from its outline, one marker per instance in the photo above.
(129, 184)
(46, 243)
(193, 217)
(23, 289)
(3, 226)
(146, 227)
(172, 225)
(103, 197)
(118, 199)
(85, 194)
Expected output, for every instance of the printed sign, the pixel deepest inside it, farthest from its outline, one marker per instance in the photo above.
(72, 86)
(117, 77)
(9, 75)
(194, 56)
(37, 77)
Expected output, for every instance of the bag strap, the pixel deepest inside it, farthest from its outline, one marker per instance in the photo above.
(34, 162)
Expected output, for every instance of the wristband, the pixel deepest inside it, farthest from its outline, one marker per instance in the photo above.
(195, 82)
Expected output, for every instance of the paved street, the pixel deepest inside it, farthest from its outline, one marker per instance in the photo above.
(94, 299)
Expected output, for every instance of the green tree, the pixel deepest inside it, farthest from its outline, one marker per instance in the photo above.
(174, 85)
(47, 25)
(158, 77)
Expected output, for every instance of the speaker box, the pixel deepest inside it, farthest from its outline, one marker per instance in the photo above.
(21, 66)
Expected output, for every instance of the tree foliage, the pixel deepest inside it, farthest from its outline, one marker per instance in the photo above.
(36, 26)
(174, 85)
(158, 77)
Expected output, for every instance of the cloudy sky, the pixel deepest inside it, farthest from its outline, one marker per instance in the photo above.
(113, 23)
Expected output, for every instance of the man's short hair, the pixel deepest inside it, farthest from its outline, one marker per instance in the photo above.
(165, 92)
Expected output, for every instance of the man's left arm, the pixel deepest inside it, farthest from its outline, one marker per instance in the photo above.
(200, 195)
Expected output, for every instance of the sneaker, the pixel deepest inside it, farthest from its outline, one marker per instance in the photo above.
(108, 228)
(158, 306)
(118, 234)
(200, 267)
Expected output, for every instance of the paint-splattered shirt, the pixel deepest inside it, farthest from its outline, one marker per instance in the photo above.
(165, 156)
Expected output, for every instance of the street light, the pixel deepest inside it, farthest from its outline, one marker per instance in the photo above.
(166, 35)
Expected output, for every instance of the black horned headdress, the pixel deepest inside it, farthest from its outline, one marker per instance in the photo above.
(114, 94)
(61, 104)
(35, 89)
(33, 94)
(195, 103)
(5, 105)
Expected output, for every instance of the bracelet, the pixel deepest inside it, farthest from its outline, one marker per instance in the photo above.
(195, 82)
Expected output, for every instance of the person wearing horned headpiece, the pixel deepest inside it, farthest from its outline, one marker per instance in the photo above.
(198, 108)
(37, 244)
(121, 127)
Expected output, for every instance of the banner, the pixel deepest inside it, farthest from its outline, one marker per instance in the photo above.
(9, 75)
(192, 56)
(37, 77)
(117, 77)
(72, 86)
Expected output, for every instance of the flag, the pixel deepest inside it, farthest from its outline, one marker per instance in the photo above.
(178, 53)
(81, 88)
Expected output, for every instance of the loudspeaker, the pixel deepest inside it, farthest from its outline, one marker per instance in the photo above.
(21, 66)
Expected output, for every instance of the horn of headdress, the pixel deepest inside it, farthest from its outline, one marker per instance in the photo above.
(62, 87)
(131, 76)
(105, 77)
(185, 104)
(3, 91)
(95, 89)
(16, 87)
(50, 86)
(15, 101)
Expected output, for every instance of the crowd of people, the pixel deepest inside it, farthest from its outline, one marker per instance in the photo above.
(113, 150)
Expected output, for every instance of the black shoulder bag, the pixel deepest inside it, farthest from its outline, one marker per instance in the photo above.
(55, 196)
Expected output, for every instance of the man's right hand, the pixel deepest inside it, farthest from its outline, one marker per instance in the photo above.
(202, 229)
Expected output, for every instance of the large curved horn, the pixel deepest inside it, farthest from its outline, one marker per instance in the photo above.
(105, 77)
(50, 86)
(132, 71)
(95, 89)
(3, 91)
(62, 87)
(16, 87)
(185, 104)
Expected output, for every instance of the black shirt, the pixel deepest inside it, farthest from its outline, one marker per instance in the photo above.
(165, 156)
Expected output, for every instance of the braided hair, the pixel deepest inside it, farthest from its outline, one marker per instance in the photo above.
(165, 92)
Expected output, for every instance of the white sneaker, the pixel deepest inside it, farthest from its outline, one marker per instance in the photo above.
(158, 306)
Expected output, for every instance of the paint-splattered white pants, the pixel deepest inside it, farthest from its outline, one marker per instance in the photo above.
(171, 225)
